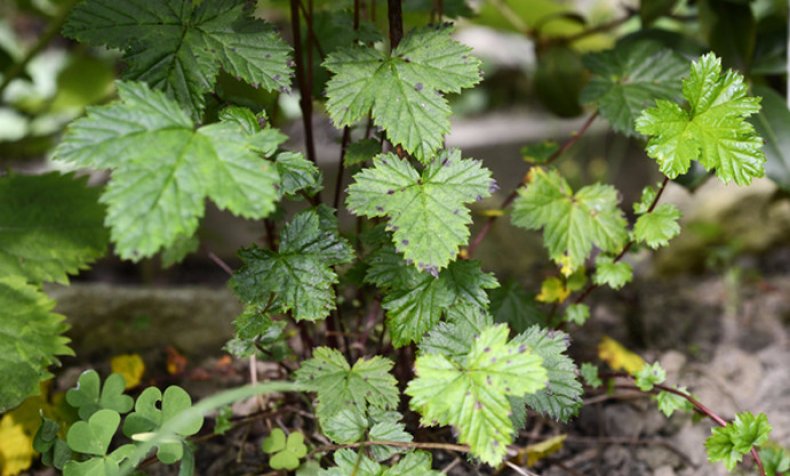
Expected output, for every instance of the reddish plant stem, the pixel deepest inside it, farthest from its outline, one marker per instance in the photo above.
(489, 224)
(592, 287)
(701, 409)
(305, 96)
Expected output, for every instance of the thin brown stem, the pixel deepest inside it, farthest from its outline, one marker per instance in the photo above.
(221, 263)
(489, 224)
(305, 95)
(395, 19)
(698, 406)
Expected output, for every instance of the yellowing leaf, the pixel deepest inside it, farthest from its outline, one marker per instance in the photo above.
(553, 290)
(130, 366)
(618, 357)
(538, 451)
(16, 447)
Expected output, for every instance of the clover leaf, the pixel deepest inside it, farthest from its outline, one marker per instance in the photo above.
(285, 452)
(89, 396)
(147, 418)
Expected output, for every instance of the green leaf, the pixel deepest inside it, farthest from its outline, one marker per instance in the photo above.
(426, 211)
(298, 277)
(285, 453)
(775, 459)
(93, 437)
(539, 153)
(148, 417)
(388, 428)
(730, 443)
(30, 339)
(473, 396)
(646, 199)
(669, 403)
(650, 376)
(346, 426)
(297, 174)
(453, 339)
(179, 46)
(628, 78)
(561, 399)
(577, 314)
(163, 170)
(414, 309)
(90, 396)
(773, 124)
(50, 226)
(348, 462)
(572, 222)
(713, 130)
(511, 304)
(402, 88)
(413, 312)
(361, 151)
(611, 273)
(589, 373)
(340, 386)
(656, 228)
(274, 442)
(108, 465)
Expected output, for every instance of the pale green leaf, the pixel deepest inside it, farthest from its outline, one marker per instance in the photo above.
(712, 129)
(649, 376)
(473, 396)
(611, 273)
(589, 373)
(577, 313)
(669, 403)
(656, 228)
(297, 174)
(402, 89)
(572, 222)
(163, 170)
(341, 386)
(426, 211)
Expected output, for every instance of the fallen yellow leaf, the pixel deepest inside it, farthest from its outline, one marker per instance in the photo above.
(538, 451)
(618, 357)
(16, 447)
(130, 366)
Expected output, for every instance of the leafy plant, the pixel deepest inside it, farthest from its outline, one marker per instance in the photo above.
(392, 313)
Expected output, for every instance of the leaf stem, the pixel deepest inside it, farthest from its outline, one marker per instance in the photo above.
(305, 96)
(52, 30)
(395, 19)
(697, 405)
(488, 225)
(592, 287)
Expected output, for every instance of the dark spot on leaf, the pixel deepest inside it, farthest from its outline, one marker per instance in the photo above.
(418, 86)
(522, 348)
(487, 349)
(478, 406)
(390, 192)
(404, 242)
(493, 360)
